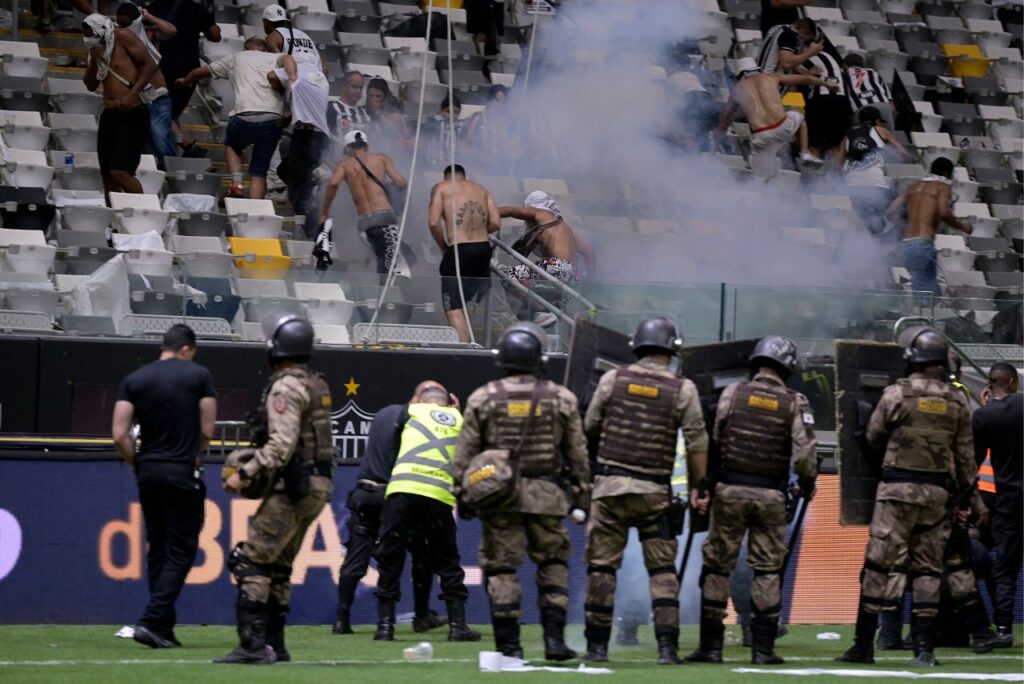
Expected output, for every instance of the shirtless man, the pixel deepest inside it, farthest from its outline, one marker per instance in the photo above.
(928, 201)
(366, 173)
(475, 217)
(548, 233)
(771, 126)
(123, 66)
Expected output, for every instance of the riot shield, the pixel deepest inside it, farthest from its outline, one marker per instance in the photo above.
(593, 350)
(863, 370)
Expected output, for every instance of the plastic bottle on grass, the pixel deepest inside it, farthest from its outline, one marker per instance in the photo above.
(421, 651)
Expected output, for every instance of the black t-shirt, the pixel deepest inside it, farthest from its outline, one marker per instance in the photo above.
(191, 20)
(771, 16)
(999, 426)
(382, 443)
(166, 397)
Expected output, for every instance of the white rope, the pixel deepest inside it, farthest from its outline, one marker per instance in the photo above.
(390, 280)
(451, 166)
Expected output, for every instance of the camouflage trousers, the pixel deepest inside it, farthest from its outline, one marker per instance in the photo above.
(610, 520)
(263, 562)
(505, 536)
(908, 541)
(735, 510)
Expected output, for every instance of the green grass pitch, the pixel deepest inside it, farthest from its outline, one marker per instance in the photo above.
(87, 654)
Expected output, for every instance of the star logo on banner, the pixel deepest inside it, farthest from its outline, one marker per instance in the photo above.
(351, 387)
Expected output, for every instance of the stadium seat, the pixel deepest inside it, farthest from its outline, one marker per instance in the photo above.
(138, 213)
(202, 257)
(228, 45)
(253, 218)
(325, 302)
(151, 178)
(24, 130)
(201, 183)
(221, 301)
(31, 299)
(26, 251)
(91, 218)
(83, 172)
(70, 96)
(988, 33)
(931, 146)
(313, 15)
(359, 24)
(25, 208)
(187, 164)
(978, 216)
(74, 132)
(85, 260)
(969, 284)
(22, 58)
(259, 258)
(264, 298)
(157, 303)
(81, 238)
(361, 54)
(27, 168)
(203, 224)
(930, 121)
(966, 60)
(953, 253)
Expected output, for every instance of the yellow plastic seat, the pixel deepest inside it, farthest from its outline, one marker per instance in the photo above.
(794, 100)
(259, 258)
(966, 60)
(453, 4)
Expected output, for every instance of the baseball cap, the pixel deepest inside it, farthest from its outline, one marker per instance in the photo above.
(275, 13)
(353, 137)
(745, 64)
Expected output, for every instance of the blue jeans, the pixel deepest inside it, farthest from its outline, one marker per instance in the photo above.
(160, 132)
(262, 135)
(919, 258)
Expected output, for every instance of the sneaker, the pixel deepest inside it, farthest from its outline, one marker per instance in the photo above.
(810, 161)
(148, 637)
(236, 190)
(545, 319)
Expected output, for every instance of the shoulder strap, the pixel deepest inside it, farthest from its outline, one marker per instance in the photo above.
(524, 245)
(370, 174)
(291, 39)
(119, 77)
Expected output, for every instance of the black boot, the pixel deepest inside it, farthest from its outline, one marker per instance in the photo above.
(385, 621)
(252, 637)
(275, 633)
(863, 650)
(342, 625)
(553, 622)
(763, 632)
(430, 620)
(985, 640)
(597, 643)
(924, 642)
(457, 628)
(890, 637)
(506, 636)
(712, 635)
(668, 648)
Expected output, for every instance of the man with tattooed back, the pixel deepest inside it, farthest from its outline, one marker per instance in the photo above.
(470, 215)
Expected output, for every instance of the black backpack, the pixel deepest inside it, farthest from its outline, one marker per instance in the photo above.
(860, 141)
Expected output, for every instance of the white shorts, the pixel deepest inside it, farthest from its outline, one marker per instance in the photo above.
(780, 134)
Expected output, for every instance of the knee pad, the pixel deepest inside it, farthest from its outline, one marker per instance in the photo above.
(241, 566)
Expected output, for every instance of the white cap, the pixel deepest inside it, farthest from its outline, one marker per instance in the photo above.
(745, 64)
(275, 13)
(353, 137)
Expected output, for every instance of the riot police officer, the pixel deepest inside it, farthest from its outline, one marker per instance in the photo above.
(761, 426)
(925, 426)
(634, 418)
(417, 515)
(295, 459)
(552, 454)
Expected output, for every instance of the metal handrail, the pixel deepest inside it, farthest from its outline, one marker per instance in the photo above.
(530, 294)
(919, 319)
(534, 268)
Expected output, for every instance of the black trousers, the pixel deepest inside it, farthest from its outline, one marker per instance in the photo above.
(172, 507)
(1007, 532)
(365, 505)
(303, 157)
(423, 527)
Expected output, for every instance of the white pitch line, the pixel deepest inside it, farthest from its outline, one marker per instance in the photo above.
(888, 674)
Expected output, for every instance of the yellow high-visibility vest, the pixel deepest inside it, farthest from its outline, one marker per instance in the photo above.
(424, 464)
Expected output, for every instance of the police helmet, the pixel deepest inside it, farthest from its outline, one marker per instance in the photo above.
(533, 329)
(656, 335)
(775, 351)
(291, 337)
(519, 350)
(923, 344)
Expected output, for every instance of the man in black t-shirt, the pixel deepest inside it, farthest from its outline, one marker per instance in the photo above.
(775, 12)
(998, 430)
(180, 54)
(173, 402)
(365, 504)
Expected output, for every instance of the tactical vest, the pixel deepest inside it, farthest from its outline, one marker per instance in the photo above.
(316, 443)
(426, 452)
(539, 455)
(757, 438)
(639, 429)
(923, 441)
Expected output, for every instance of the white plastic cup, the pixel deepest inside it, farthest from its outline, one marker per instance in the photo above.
(420, 652)
(490, 661)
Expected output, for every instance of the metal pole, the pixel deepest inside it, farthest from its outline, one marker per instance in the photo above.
(591, 307)
(533, 296)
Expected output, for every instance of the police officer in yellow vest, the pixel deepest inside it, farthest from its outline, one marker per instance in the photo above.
(417, 514)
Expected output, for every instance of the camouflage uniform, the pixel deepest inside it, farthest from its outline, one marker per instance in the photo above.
(298, 407)
(760, 426)
(534, 519)
(925, 426)
(636, 413)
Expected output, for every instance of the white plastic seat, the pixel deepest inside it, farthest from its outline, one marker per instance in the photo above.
(228, 45)
(953, 253)
(329, 334)
(931, 121)
(26, 251)
(831, 202)
(1002, 122)
(367, 39)
(249, 288)
(138, 213)
(325, 303)
(203, 257)
(373, 71)
(22, 59)
(968, 283)
(35, 299)
(988, 33)
(152, 262)
(253, 218)
(308, 19)
(70, 96)
(24, 130)
(28, 169)
(151, 178)
(935, 145)
(74, 132)
(978, 216)
(66, 282)
(397, 43)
